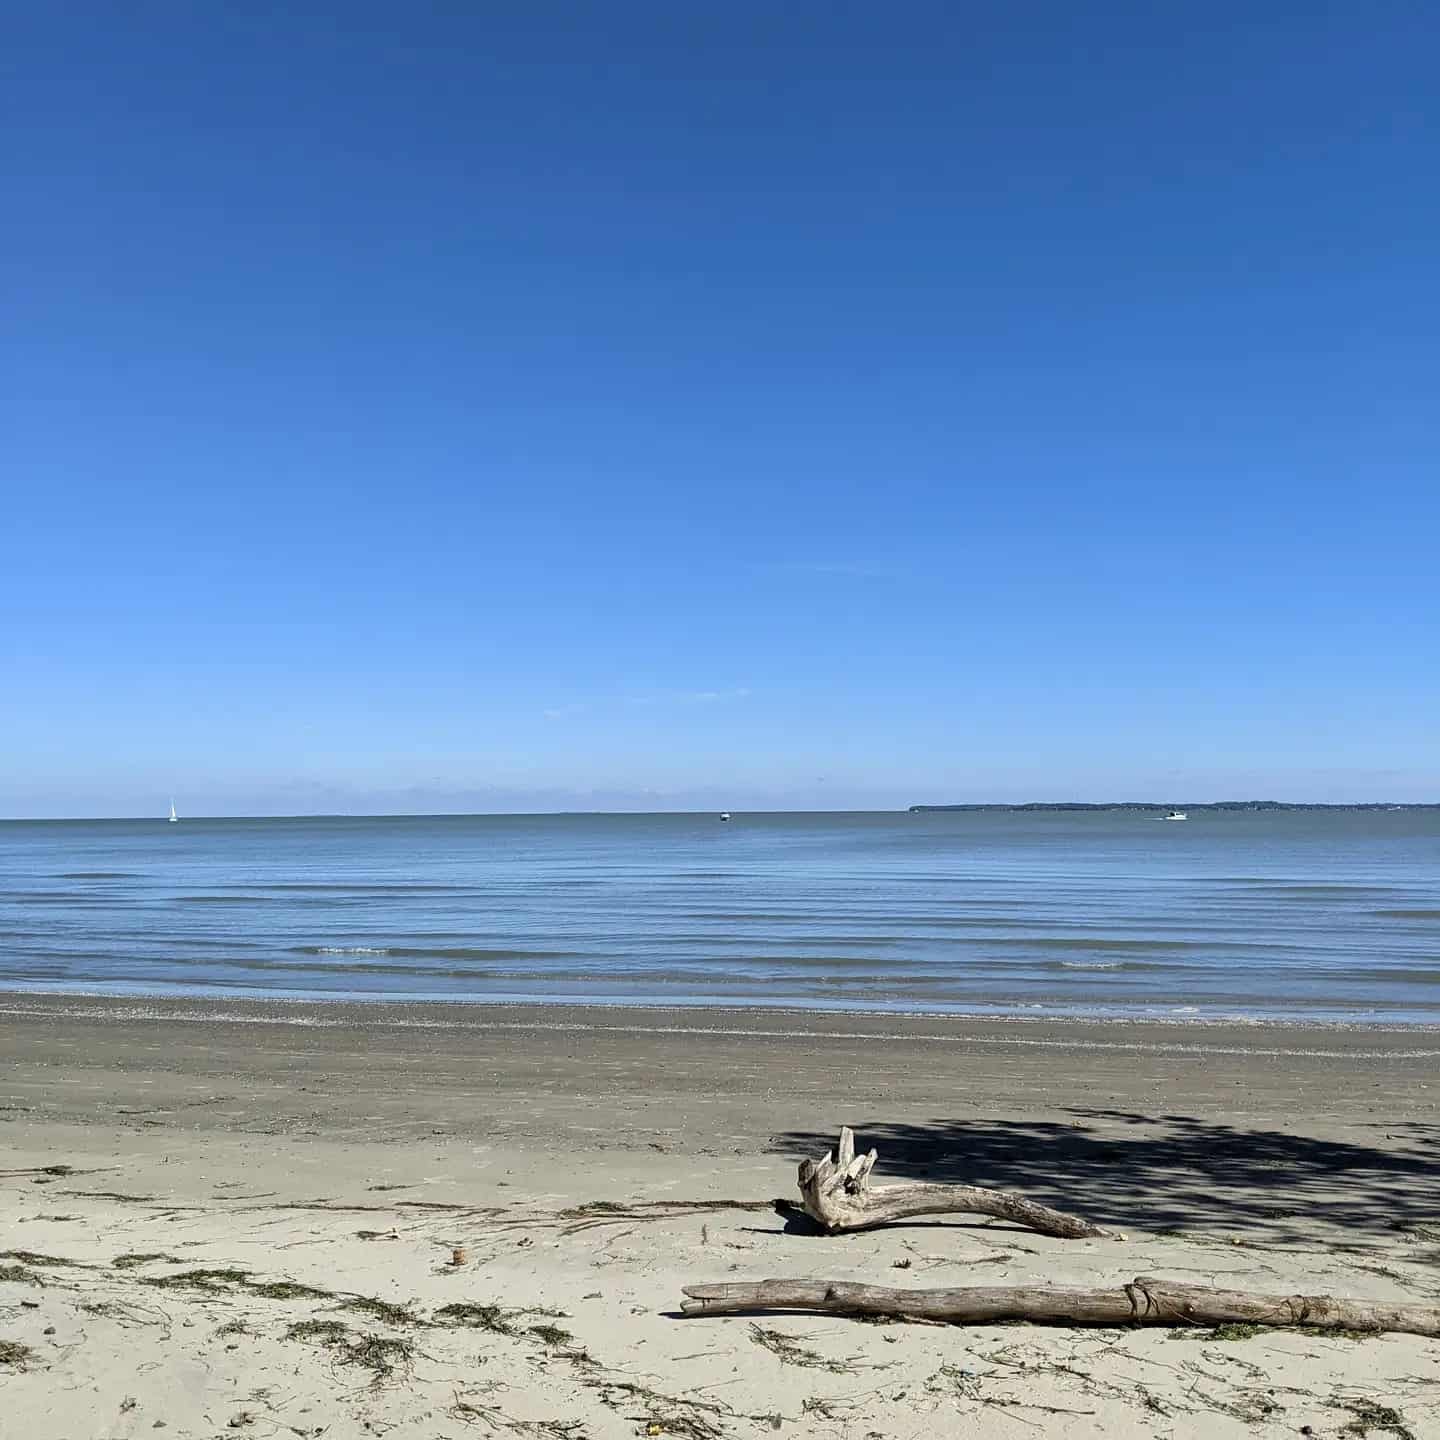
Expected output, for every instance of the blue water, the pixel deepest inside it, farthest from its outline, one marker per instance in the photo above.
(1322, 917)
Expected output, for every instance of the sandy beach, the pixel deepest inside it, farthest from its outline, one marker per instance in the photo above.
(241, 1218)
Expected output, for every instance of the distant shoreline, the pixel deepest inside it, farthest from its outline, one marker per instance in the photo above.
(1067, 806)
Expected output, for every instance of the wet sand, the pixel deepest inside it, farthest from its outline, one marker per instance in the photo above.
(684, 1078)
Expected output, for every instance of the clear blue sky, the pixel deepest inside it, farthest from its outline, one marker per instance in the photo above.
(496, 406)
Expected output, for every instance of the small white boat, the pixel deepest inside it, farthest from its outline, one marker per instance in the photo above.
(1177, 815)
(174, 818)
(724, 814)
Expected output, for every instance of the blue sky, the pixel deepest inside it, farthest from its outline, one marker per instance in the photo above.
(643, 406)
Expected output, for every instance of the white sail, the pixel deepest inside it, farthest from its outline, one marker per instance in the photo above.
(173, 816)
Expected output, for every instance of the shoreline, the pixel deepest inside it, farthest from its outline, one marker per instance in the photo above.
(706, 1017)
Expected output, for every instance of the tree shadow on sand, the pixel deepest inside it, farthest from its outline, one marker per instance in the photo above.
(1173, 1172)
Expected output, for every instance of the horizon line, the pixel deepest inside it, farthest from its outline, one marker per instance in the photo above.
(919, 808)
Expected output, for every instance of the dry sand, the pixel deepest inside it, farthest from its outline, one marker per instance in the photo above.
(592, 1162)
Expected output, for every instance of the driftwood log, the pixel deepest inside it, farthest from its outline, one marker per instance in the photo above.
(1144, 1301)
(837, 1193)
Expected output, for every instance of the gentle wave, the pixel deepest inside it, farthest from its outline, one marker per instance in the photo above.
(1097, 942)
(227, 900)
(355, 887)
(416, 952)
(1313, 892)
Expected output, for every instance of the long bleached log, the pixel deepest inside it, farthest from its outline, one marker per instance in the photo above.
(837, 1193)
(1144, 1301)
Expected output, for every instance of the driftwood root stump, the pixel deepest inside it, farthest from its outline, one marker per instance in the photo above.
(836, 1192)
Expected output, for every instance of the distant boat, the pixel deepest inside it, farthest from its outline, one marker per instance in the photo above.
(1177, 815)
(174, 818)
(724, 814)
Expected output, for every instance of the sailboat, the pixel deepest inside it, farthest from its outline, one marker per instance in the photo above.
(174, 818)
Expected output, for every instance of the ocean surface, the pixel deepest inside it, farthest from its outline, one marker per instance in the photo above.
(1331, 916)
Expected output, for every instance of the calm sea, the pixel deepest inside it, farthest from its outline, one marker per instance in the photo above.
(1329, 916)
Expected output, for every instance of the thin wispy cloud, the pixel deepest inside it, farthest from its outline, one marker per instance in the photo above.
(688, 697)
